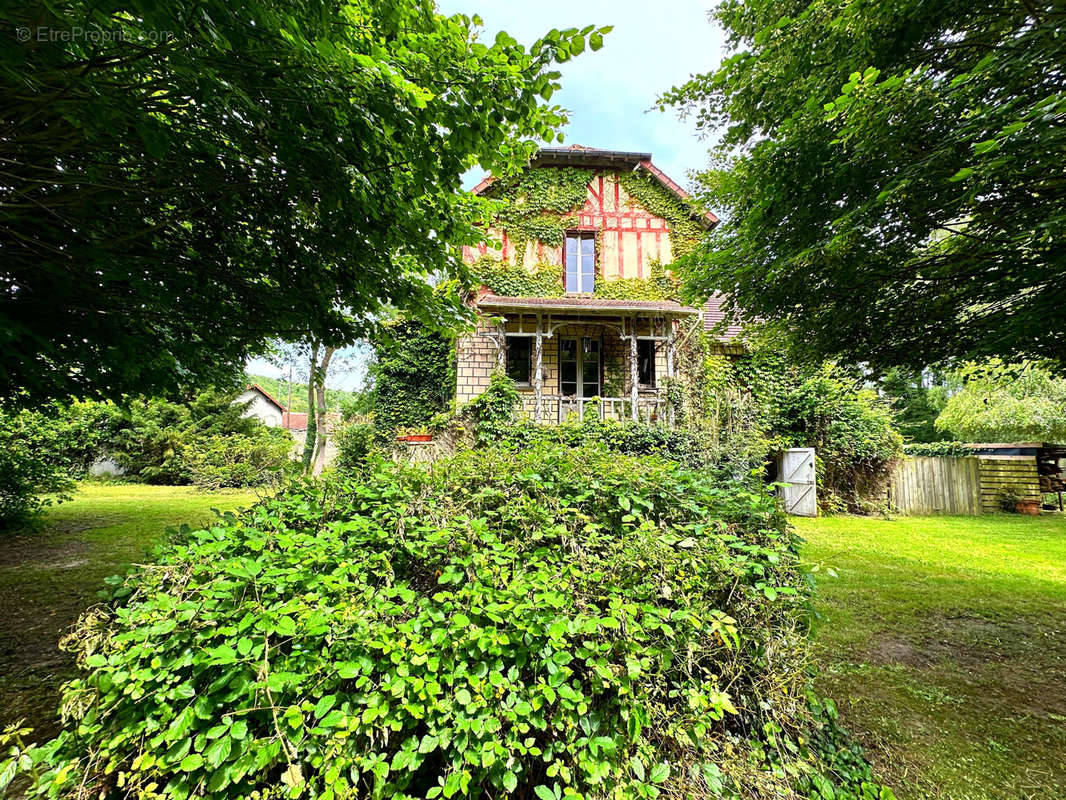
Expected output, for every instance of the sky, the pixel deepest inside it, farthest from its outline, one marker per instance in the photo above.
(654, 45)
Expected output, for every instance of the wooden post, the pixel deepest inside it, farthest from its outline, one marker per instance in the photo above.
(501, 346)
(538, 375)
(671, 414)
(634, 374)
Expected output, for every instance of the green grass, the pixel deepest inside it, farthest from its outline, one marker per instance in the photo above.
(944, 644)
(48, 576)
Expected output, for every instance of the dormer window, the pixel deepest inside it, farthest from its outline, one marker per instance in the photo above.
(580, 261)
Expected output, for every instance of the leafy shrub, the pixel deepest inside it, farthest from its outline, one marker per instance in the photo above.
(237, 461)
(413, 376)
(355, 442)
(495, 422)
(937, 450)
(31, 468)
(165, 442)
(546, 623)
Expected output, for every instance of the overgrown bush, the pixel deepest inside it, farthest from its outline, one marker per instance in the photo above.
(257, 458)
(937, 449)
(557, 622)
(824, 407)
(494, 421)
(355, 442)
(32, 472)
(413, 375)
(207, 441)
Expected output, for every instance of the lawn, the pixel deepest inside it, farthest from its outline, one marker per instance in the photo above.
(49, 576)
(944, 643)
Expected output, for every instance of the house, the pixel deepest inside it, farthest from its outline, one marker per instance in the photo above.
(262, 406)
(577, 303)
(272, 413)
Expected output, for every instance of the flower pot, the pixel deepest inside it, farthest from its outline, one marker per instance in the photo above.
(1029, 506)
(420, 437)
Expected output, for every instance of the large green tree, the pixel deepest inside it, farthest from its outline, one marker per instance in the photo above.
(891, 175)
(1001, 402)
(182, 181)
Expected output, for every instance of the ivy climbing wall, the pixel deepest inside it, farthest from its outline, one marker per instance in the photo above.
(640, 226)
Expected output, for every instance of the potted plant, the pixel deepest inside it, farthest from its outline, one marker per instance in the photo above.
(1009, 500)
(409, 435)
(1028, 505)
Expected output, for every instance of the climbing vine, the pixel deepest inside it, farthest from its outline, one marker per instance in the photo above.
(515, 280)
(658, 200)
(539, 204)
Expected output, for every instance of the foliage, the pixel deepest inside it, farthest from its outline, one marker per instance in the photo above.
(499, 624)
(851, 429)
(1001, 402)
(685, 231)
(191, 178)
(515, 280)
(496, 422)
(888, 176)
(31, 468)
(539, 204)
(495, 411)
(150, 437)
(937, 450)
(917, 398)
(413, 375)
(355, 443)
(258, 458)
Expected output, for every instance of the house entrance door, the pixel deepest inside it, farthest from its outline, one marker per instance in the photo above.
(580, 374)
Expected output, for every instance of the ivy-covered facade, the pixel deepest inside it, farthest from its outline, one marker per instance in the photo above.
(577, 302)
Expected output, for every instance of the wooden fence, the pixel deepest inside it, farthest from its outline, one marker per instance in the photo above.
(936, 486)
(971, 485)
(999, 473)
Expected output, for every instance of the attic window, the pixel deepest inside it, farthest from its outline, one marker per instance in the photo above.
(580, 261)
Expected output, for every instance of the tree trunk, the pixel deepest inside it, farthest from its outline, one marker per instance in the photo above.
(310, 437)
(320, 411)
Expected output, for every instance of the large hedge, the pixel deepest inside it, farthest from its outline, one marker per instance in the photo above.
(562, 622)
(413, 374)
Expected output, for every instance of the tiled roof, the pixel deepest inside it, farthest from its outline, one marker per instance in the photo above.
(584, 303)
(297, 420)
(713, 314)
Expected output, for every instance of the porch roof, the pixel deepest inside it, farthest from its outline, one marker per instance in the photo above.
(585, 304)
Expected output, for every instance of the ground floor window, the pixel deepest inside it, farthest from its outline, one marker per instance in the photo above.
(646, 362)
(579, 367)
(519, 358)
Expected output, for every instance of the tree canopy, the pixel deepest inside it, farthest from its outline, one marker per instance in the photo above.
(1002, 402)
(890, 175)
(183, 181)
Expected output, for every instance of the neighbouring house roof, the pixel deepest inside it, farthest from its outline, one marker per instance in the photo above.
(255, 387)
(579, 156)
(713, 315)
(297, 420)
(583, 303)
(294, 420)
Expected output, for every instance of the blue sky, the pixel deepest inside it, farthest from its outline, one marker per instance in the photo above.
(654, 45)
(608, 93)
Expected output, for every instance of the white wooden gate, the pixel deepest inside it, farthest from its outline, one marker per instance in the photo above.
(796, 471)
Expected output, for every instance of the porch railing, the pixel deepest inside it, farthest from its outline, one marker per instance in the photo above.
(557, 408)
